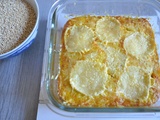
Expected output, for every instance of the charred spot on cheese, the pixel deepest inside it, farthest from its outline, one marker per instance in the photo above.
(137, 44)
(78, 38)
(134, 84)
(108, 29)
(89, 77)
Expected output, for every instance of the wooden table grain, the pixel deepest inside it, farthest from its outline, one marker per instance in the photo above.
(20, 76)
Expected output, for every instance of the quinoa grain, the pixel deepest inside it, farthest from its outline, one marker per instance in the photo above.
(17, 20)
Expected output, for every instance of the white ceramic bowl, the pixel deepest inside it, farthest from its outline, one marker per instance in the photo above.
(28, 41)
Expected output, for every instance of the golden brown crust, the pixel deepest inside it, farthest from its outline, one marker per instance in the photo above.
(129, 26)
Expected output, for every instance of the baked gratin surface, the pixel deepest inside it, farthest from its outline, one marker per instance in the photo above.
(108, 61)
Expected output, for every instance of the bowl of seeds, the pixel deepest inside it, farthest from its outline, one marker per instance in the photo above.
(19, 21)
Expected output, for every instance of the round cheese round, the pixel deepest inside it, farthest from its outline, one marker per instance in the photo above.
(134, 84)
(137, 44)
(78, 38)
(108, 29)
(89, 77)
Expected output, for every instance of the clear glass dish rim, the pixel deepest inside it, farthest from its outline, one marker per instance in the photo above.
(84, 109)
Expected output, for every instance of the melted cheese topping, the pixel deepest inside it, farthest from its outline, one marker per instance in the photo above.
(108, 29)
(115, 59)
(136, 44)
(145, 64)
(134, 83)
(88, 77)
(96, 54)
(78, 38)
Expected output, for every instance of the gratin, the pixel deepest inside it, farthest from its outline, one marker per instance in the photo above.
(108, 61)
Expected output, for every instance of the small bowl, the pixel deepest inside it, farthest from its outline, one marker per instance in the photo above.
(28, 41)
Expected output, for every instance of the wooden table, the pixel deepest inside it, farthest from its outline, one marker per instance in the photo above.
(20, 76)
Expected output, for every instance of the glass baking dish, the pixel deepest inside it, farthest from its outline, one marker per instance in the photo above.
(59, 14)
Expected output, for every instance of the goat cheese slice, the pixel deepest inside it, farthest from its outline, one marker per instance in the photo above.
(78, 38)
(89, 77)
